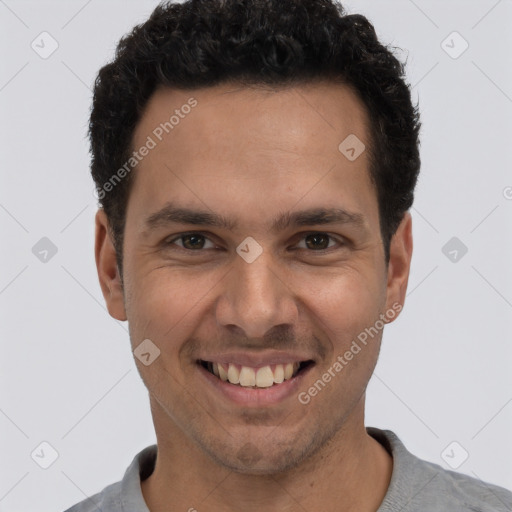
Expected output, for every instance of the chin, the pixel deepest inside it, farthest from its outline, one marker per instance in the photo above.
(262, 466)
(264, 457)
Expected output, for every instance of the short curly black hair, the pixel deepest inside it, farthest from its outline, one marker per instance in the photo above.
(203, 43)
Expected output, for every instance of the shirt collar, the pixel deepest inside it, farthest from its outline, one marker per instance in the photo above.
(400, 488)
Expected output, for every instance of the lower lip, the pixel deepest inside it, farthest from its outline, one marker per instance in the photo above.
(255, 397)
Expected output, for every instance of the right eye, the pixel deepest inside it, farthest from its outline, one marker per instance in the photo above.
(192, 241)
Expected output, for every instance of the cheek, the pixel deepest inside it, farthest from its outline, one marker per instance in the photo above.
(165, 303)
(344, 300)
(169, 303)
(342, 309)
(165, 307)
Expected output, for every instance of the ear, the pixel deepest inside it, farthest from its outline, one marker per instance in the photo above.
(106, 265)
(400, 254)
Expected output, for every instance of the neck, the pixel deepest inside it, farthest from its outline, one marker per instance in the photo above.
(350, 472)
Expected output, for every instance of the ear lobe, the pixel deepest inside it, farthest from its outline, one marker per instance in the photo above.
(106, 265)
(400, 254)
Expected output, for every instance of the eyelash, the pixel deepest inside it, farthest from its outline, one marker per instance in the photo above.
(168, 242)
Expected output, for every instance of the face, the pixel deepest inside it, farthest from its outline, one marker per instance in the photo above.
(252, 247)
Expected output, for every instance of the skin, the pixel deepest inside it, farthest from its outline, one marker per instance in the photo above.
(249, 154)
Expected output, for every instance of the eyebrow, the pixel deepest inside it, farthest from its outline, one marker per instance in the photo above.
(174, 214)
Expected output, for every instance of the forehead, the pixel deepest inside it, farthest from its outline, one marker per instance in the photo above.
(284, 115)
(248, 147)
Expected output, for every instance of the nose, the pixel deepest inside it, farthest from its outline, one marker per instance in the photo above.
(257, 297)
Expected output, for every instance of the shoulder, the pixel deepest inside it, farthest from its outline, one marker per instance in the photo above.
(474, 494)
(419, 485)
(125, 495)
(108, 500)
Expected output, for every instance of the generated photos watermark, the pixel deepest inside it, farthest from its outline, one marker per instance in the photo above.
(355, 348)
(137, 156)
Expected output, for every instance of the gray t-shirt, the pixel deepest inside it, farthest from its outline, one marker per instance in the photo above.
(416, 486)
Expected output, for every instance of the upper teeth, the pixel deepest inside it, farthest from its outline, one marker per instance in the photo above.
(262, 377)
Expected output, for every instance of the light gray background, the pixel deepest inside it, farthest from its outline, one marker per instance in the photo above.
(67, 373)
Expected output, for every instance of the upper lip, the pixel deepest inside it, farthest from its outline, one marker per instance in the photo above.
(256, 359)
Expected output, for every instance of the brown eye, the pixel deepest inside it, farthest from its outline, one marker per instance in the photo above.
(191, 241)
(317, 241)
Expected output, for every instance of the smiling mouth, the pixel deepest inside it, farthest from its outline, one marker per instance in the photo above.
(249, 377)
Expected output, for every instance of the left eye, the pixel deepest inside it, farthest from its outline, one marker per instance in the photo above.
(317, 241)
(196, 241)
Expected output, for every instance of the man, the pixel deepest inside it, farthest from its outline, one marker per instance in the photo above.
(255, 161)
